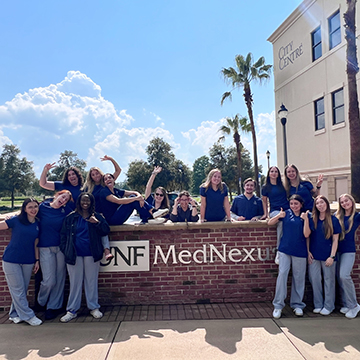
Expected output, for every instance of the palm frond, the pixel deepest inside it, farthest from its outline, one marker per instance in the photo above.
(226, 95)
(225, 129)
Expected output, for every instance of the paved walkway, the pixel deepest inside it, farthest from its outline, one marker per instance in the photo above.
(166, 332)
(261, 310)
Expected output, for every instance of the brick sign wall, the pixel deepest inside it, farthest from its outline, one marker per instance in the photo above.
(188, 263)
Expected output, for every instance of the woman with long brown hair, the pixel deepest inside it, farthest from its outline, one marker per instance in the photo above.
(322, 246)
(350, 221)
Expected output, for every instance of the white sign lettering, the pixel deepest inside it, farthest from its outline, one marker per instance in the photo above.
(210, 252)
(128, 256)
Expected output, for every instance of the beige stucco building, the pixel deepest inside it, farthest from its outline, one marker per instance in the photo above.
(309, 50)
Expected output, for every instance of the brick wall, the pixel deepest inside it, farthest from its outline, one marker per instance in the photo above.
(247, 273)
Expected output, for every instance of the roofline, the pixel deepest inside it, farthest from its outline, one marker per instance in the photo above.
(290, 20)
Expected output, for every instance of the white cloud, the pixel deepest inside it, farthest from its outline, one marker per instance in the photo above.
(69, 115)
(4, 139)
(205, 135)
(126, 145)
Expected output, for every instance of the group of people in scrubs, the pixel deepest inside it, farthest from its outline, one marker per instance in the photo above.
(69, 232)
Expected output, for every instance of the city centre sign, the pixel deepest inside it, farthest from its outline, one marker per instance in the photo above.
(135, 255)
(288, 54)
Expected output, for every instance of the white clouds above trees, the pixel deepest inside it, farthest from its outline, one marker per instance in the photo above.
(73, 115)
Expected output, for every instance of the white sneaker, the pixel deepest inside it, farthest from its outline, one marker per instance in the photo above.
(68, 317)
(159, 213)
(317, 310)
(352, 313)
(298, 312)
(277, 313)
(277, 260)
(15, 319)
(96, 313)
(325, 312)
(34, 321)
(344, 310)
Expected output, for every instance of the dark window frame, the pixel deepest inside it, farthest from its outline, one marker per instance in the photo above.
(337, 107)
(335, 31)
(319, 115)
(316, 45)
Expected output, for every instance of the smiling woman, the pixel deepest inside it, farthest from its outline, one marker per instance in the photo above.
(81, 245)
(21, 256)
(72, 181)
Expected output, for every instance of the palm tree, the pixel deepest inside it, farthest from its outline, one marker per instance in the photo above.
(241, 77)
(233, 125)
(352, 68)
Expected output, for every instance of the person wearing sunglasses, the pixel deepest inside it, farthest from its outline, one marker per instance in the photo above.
(160, 199)
(118, 204)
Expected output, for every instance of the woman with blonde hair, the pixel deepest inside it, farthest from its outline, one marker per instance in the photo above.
(295, 184)
(94, 183)
(349, 220)
(322, 246)
(215, 204)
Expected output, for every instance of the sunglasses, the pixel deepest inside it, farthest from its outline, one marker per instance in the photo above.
(157, 194)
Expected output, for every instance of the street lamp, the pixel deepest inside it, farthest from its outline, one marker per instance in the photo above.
(282, 113)
(180, 167)
(268, 158)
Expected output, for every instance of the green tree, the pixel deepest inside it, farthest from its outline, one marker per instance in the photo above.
(200, 170)
(240, 78)
(225, 159)
(352, 68)
(138, 174)
(16, 174)
(233, 126)
(67, 159)
(175, 175)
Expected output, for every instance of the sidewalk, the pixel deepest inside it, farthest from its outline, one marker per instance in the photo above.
(206, 331)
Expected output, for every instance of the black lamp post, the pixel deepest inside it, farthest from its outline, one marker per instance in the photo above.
(180, 167)
(282, 116)
(268, 158)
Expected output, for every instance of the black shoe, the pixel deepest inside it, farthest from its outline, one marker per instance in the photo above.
(51, 314)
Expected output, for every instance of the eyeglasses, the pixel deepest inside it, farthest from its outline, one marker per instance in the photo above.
(157, 194)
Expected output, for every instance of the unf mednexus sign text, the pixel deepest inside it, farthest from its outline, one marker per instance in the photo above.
(135, 255)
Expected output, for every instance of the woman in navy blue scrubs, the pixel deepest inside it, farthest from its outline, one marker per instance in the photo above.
(215, 204)
(20, 258)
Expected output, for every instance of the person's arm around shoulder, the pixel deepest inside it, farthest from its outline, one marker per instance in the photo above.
(43, 182)
(276, 218)
(157, 170)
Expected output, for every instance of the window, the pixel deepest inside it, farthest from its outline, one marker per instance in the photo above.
(337, 100)
(319, 114)
(334, 30)
(316, 43)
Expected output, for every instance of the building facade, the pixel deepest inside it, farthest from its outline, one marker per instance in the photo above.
(309, 50)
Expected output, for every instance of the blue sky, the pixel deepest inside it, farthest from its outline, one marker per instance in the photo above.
(105, 77)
